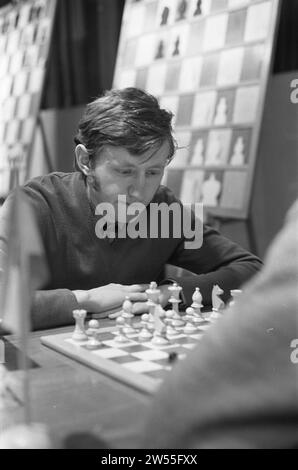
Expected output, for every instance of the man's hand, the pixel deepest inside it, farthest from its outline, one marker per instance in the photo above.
(110, 296)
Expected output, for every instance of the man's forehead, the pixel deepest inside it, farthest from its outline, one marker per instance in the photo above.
(120, 155)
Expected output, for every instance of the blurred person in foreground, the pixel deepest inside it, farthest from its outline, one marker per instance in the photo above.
(239, 387)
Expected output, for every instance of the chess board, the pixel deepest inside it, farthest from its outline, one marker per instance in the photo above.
(141, 365)
(25, 34)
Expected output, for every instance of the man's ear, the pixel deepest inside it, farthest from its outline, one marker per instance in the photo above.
(83, 159)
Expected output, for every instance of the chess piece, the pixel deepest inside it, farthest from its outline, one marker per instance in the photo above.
(176, 50)
(197, 301)
(93, 325)
(197, 156)
(221, 112)
(160, 50)
(170, 330)
(165, 16)
(238, 153)
(175, 296)
(181, 10)
(145, 334)
(177, 320)
(79, 333)
(210, 190)
(127, 315)
(193, 317)
(198, 10)
(153, 294)
(214, 151)
(235, 293)
(159, 314)
(217, 303)
(189, 328)
(159, 338)
(93, 342)
(120, 337)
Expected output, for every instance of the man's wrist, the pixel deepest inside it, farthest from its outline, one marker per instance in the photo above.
(82, 297)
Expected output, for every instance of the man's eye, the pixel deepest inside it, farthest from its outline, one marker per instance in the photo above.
(124, 172)
(153, 173)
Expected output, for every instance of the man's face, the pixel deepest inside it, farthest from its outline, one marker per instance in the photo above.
(117, 172)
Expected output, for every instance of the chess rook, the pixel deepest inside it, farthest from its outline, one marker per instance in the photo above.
(79, 333)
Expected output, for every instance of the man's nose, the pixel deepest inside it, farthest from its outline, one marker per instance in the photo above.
(137, 187)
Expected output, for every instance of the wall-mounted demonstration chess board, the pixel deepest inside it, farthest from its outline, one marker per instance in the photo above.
(208, 62)
(25, 32)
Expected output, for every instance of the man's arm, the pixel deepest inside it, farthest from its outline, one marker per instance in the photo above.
(53, 307)
(49, 308)
(218, 261)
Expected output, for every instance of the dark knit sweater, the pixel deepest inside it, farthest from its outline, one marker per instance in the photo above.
(78, 259)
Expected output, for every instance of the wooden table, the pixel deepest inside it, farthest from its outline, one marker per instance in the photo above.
(71, 398)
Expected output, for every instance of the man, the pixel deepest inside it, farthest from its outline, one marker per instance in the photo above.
(239, 387)
(123, 145)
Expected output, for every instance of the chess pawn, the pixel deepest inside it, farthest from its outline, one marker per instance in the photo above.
(79, 333)
(145, 334)
(193, 317)
(177, 322)
(144, 319)
(93, 342)
(168, 317)
(159, 338)
(171, 332)
(93, 325)
(189, 328)
(189, 315)
(120, 338)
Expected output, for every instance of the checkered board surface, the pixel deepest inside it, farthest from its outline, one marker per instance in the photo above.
(141, 365)
(25, 34)
(208, 62)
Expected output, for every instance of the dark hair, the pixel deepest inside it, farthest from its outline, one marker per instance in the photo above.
(129, 118)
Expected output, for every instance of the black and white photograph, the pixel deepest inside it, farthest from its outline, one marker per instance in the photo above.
(149, 230)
